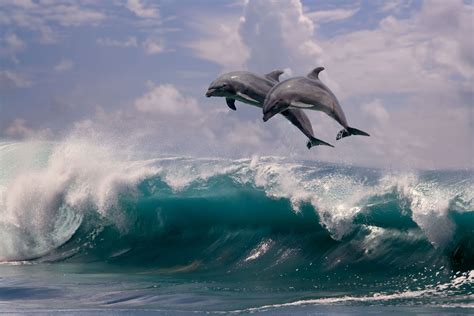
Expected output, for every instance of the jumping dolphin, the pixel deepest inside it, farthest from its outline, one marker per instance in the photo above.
(307, 93)
(250, 88)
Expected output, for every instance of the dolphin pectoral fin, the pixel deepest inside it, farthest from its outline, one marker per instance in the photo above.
(350, 131)
(299, 119)
(313, 141)
(230, 103)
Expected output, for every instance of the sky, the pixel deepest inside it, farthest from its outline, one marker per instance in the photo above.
(137, 71)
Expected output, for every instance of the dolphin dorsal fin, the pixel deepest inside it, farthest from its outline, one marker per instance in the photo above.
(274, 75)
(314, 74)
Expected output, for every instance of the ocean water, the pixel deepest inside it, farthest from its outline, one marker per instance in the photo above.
(86, 229)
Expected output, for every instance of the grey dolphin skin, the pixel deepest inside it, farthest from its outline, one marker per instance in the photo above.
(250, 88)
(307, 93)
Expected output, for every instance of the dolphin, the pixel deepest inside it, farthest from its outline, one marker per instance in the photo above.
(307, 93)
(250, 88)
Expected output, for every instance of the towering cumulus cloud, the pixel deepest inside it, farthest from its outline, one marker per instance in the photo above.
(279, 35)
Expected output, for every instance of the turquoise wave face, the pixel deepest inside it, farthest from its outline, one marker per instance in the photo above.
(262, 219)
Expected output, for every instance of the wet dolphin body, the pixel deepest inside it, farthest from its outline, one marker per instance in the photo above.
(249, 88)
(307, 93)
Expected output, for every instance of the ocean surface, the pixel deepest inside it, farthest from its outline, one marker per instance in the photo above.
(86, 229)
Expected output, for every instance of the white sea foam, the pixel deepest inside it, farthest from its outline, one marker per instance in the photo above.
(42, 206)
(429, 202)
(337, 198)
(260, 250)
(446, 290)
(44, 188)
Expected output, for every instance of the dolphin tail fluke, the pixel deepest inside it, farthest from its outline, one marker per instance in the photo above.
(316, 142)
(350, 131)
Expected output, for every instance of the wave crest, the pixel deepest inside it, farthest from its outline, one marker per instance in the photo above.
(82, 201)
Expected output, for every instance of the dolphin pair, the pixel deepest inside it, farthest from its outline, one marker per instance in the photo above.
(307, 93)
(252, 89)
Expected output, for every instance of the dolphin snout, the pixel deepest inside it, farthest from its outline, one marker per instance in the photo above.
(209, 92)
(272, 108)
(267, 116)
(268, 109)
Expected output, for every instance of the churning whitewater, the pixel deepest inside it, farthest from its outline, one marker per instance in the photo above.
(328, 226)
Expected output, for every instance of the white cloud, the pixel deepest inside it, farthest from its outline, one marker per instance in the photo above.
(18, 129)
(72, 15)
(153, 46)
(42, 16)
(405, 55)
(376, 110)
(220, 42)
(166, 99)
(64, 65)
(395, 5)
(131, 41)
(141, 10)
(279, 36)
(421, 136)
(10, 79)
(331, 15)
(10, 45)
(248, 134)
(27, 4)
(268, 36)
(14, 43)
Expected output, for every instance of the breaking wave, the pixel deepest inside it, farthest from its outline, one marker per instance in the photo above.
(79, 202)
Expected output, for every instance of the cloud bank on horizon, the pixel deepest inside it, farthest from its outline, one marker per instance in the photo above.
(136, 69)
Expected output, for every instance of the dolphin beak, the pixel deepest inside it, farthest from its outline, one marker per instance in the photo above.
(267, 116)
(268, 110)
(210, 92)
